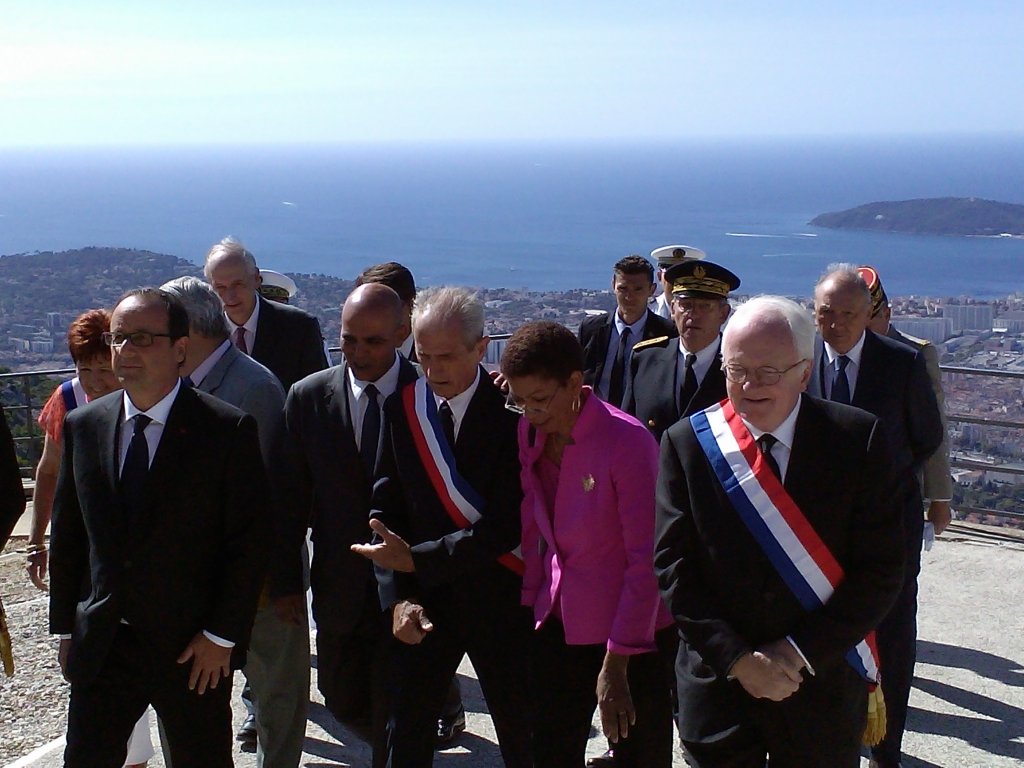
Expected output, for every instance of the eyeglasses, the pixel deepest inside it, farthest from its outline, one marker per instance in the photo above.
(138, 338)
(518, 405)
(765, 375)
(695, 306)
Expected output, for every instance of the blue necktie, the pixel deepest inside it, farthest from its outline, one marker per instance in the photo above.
(841, 384)
(136, 465)
(617, 380)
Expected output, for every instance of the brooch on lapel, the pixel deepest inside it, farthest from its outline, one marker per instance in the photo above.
(588, 483)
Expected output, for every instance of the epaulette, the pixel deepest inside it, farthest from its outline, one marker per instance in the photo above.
(655, 342)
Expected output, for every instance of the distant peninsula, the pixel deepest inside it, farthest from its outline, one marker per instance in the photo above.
(962, 216)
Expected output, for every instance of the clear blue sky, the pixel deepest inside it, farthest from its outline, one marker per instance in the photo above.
(103, 72)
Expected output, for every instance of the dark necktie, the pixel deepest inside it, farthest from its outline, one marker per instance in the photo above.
(841, 384)
(618, 378)
(239, 339)
(369, 437)
(186, 381)
(136, 465)
(447, 423)
(689, 388)
(765, 442)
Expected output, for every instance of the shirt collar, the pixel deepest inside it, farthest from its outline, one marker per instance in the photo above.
(460, 402)
(706, 355)
(211, 360)
(637, 328)
(783, 433)
(158, 412)
(386, 384)
(250, 324)
(854, 353)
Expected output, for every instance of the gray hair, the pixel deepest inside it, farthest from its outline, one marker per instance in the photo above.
(205, 311)
(449, 304)
(843, 274)
(801, 325)
(230, 248)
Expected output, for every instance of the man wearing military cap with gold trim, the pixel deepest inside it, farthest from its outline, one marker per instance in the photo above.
(665, 257)
(673, 378)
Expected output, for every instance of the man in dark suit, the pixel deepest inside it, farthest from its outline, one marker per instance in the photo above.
(447, 575)
(158, 544)
(671, 378)
(759, 671)
(334, 433)
(285, 339)
(887, 379)
(12, 493)
(608, 339)
(277, 667)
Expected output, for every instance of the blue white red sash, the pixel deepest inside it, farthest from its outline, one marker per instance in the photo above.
(460, 500)
(73, 394)
(794, 548)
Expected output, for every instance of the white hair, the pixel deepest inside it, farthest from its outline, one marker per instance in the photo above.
(801, 325)
(450, 304)
(205, 310)
(231, 247)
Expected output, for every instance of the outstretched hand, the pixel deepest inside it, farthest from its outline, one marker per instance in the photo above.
(392, 551)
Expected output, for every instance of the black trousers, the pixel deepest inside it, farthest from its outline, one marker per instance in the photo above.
(493, 633)
(563, 684)
(820, 726)
(897, 650)
(103, 711)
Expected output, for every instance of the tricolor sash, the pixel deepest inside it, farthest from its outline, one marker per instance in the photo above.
(460, 500)
(792, 545)
(73, 395)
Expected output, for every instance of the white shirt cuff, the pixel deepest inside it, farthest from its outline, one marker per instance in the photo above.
(218, 640)
(800, 654)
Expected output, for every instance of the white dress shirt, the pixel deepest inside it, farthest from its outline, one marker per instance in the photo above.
(249, 325)
(852, 367)
(358, 397)
(460, 403)
(701, 365)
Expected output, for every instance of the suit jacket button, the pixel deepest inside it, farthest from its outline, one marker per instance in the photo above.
(650, 422)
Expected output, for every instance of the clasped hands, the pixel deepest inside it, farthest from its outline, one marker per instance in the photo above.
(773, 671)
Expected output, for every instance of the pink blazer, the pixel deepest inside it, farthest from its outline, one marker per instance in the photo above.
(595, 555)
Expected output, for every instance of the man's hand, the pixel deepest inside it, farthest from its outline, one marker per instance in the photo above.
(210, 662)
(290, 609)
(500, 381)
(36, 567)
(62, 656)
(764, 678)
(409, 622)
(785, 655)
(391, 552)
(613, 697)
(939, 515)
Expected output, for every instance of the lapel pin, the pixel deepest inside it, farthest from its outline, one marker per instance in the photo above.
(588, 483)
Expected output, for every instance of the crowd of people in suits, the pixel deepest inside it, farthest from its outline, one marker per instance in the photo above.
(687, 513)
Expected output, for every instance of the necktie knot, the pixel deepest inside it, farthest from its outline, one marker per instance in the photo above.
(690, 359)
(841, 362)
(447, 422)
(141, 422)
(765, 443)
(239, 339)
(371, 392)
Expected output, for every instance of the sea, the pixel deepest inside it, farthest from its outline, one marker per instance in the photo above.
(540, 216)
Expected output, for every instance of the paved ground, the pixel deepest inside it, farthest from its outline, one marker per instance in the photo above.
(967, 707)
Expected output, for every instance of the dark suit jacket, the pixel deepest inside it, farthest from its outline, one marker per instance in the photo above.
(596, 333)
(653, 384)
(12, 493)
(727, 598)
(194, 561)
(486, 454)
(288, 342)
(893, 384)
(331, 488)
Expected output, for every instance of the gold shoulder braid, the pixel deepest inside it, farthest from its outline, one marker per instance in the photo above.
(649, 342)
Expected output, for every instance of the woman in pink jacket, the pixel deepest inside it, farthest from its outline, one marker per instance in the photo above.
(588, 477)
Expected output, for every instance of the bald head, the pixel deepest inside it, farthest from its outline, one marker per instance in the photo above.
(372, 327)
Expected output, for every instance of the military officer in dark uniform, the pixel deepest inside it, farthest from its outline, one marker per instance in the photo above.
(671, 378)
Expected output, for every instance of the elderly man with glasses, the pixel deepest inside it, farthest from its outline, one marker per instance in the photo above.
(778, 550)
